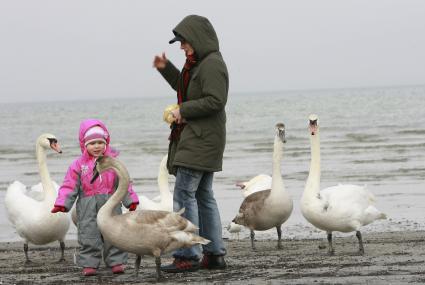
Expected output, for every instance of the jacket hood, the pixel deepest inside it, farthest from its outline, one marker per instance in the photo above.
(85, 126)
(199, 33)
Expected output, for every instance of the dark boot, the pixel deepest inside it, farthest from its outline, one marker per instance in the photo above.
(210, 261)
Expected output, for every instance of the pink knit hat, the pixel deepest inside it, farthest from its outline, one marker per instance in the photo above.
(95, 133)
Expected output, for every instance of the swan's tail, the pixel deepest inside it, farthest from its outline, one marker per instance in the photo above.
(197, 239)
(189, 239)
(190, 227)
(375, 214)
(181, 211)
(382, 216)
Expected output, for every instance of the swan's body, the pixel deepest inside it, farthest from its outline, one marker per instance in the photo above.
(141, 232)
(342, 208)
(266, 209)
(258, 183)
(29, 212)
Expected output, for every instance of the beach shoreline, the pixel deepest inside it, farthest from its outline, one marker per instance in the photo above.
(390, 258)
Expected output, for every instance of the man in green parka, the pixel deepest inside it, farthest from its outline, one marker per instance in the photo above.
(198, 137)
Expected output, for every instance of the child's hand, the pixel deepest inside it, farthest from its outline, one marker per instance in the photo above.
(132, 207)
(58, 209)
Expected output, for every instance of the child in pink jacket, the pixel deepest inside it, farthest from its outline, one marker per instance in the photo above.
(94, 141)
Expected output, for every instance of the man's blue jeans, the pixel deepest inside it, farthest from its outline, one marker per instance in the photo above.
(193, 191)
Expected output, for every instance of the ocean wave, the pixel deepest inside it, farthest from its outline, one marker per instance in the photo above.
(369, 161)
(412, 132)
(359, 137)
(396, 146)
(403, 194)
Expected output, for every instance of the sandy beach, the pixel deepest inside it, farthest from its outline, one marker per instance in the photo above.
(390, 258)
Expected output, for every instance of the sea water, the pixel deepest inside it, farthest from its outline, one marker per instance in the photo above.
(371, 136)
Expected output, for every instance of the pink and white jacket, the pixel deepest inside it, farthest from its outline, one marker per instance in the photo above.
(77, 179)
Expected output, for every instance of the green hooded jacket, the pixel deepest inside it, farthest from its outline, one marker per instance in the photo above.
(203, 139)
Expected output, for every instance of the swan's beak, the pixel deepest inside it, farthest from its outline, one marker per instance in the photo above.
(55, 145)
(313, 127)
(241, 185)
(280, 128)
(282, 135)
(95, 174)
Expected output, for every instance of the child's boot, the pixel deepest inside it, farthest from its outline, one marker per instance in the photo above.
(89, 271)
(117, 269)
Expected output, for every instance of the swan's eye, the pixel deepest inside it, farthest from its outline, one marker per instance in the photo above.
(313, 122)
(52, 141)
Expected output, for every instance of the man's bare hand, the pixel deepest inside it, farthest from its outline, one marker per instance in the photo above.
(160, 61)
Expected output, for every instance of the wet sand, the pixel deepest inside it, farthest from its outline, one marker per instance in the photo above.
(390, 258)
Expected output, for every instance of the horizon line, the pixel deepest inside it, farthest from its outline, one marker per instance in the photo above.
(236, 93)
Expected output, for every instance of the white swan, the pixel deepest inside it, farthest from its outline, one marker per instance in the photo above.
(234, 229)
(342, 208)
(258, 183)
(266, 209)
(29, 212)
(141, 232)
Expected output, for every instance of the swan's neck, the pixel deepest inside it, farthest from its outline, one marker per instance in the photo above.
(124, 179)
(44, 172)
(277, 181)
(164, 189)
(313, 182)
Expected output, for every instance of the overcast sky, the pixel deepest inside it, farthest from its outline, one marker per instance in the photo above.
(59, 50)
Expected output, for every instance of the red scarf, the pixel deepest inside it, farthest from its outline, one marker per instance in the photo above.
(183, 83)
(184, 79)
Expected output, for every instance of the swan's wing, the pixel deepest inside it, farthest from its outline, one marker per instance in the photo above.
(258, 183)
(347, 192)
(143, 216)
(18, 203)
(350, 201)
(254, 203)
(165, 221)
(15, 188)
(156, 199)
(164, 204)
(36, 188)
(36, 192)
(13, 195)
(39, 187)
